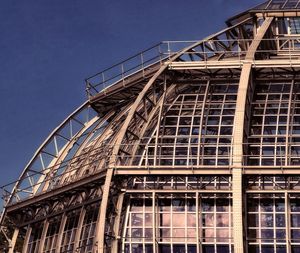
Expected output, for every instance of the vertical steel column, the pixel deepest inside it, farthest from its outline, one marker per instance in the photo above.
(198, 225)
(287, 222)
(79, 227)
(117, 221)
(238, 138)
(99, 238)
(289, 126)
(13, 241)
(61, 231)
(200, 158)
(154, 223)
(43, 236)
(26, 240)
(237, 210)
(100, 229)
(157, 144)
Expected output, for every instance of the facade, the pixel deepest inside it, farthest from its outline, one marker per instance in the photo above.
(185, 147)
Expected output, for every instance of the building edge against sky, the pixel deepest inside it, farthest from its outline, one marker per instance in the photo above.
(184, 147)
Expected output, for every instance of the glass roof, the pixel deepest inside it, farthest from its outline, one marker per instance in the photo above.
(279, 5)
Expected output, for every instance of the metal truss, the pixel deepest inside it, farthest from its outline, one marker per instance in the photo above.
(148, 98)
(197, 121)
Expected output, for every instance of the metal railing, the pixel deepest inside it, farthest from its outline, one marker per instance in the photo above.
(236, 50)
(205, 51)
(139, 62)
(55, 177)
(111, 75)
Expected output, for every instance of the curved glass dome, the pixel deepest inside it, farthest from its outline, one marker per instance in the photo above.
(185, 147)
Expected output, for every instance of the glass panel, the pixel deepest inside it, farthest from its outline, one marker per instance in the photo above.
(176, 218)
(267, 220)
(208, 249)
(267, 249)
(179, 249)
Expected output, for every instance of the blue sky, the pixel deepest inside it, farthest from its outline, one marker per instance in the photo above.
(48, 47)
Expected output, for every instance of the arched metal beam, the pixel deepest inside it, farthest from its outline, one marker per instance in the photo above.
(67, 172)
(62, 154)
(100, 236)
(43, 146)
(26, 239)
(13, 241)
(87, 139)
(118, 139)
(159, 107)
(238, 138)
(109, 174)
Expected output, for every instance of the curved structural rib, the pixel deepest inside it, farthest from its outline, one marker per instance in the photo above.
(59, 151)
(238, 137)
(100, 234)
(196, 152)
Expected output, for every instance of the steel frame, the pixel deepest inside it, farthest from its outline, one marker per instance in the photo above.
(125, 120)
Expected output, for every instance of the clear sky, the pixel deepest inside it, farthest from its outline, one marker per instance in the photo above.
(48, 47)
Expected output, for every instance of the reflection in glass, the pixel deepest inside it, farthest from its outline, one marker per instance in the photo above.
(137, 248)
(222, 220)
(176, 222)
(222, 249)
(208, 220)
(295, 248)
(222, 235)
(191, 220)
(280, 234)
(280, 220)
(148, 248)
(295, 205)
(164, 248)
(165, 219)
(266, 205)
(207, 205)
(208, 234)
(267, 220)
(281, 249)
(267, 234)
(295, 234)
(178, 248)
(208, 249)
(136, 219)
(295, 220)
(148, 219)
(267, 249)
(148, 234)
(192, 249)
(178, 234)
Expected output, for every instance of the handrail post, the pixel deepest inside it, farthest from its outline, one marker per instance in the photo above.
(88, 88)
(290, 44)
(205, 56)
(122, 74)
(142, 60)
(147, 155)
(103, 80)
(239, 51)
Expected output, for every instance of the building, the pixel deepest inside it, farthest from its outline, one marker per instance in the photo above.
(186, 147)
